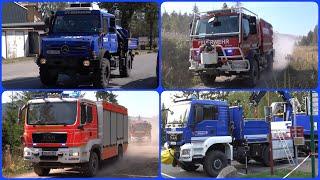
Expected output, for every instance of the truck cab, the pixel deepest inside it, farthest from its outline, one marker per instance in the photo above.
(212, 134)
(83, 40)
(198, 131)
(232, 41)
(64, 132)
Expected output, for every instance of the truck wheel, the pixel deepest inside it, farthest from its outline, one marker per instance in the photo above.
(40, 171)
(270, 62)
(207, 79)
(214, 162)
(265, 156)
(103, 75)
(125, 67)
(188, 167)
(48, 77)
(120, 152)
(253, 73)
(91, 168)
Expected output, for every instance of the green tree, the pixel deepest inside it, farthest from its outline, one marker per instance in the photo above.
(106, 96)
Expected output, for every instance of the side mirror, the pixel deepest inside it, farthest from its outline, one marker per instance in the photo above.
(268, 113)
(253, 25)
(21, 114)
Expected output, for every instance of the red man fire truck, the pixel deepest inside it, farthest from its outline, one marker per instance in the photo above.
(231, 41)
(140, 131)
(72, 132)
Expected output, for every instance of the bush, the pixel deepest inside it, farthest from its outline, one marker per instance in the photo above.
(175, 61)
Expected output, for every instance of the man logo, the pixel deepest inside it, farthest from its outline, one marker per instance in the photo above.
(65, 49)
(48, 138)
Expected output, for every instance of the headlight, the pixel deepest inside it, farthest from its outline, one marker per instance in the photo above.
(27, 153)
(185, 152)
(43, 61)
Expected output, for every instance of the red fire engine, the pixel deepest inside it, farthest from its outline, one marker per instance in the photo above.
(140, 131)
(232, 41)
(72, 132)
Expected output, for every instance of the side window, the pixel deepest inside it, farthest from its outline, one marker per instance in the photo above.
(246, 28)
(89, 114)
(104, 24)
(210, 113)
(83, 114)
(112, 22)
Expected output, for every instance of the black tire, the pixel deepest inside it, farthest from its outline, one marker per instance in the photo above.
(91, 168)
(120, 152)
(214, 162)
(270, 62)
(125, 67)
(102, 77)
(207, 79)
(40, 171)
(188, 166)
(265, 156)
(48, 77)
(253, 74)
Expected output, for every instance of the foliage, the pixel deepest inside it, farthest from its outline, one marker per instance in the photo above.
(141, 19)
(311, 39)
(46, 8)
(106, 96)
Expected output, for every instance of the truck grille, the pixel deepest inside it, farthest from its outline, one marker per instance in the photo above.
(175, 137)
(49, 158)
(49, 138)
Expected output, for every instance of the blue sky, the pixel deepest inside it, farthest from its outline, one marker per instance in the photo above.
(144, 103)
(296, 18)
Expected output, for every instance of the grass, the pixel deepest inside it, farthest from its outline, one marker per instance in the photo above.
(18, 166)
(279, 174)
(302, 71)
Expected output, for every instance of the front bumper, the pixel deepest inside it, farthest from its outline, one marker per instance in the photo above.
(231, 66)
(61, 155)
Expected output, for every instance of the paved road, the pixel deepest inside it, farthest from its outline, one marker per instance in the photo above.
(167, 171)
(25, 75)
(141, 160)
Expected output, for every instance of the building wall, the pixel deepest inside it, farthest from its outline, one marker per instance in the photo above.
(13, 13)
(15, 44)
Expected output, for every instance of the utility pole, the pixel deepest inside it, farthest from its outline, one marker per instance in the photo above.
(313, 170)
(268, 116)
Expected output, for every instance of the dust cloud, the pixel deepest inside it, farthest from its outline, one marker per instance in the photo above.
(283, 45)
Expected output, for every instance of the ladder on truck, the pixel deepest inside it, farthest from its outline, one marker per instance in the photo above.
(285, 147)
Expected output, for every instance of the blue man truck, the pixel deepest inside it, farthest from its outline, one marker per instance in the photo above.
(84, 40)
(212, 133)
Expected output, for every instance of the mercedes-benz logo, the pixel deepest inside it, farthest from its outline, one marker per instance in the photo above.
(65, 49)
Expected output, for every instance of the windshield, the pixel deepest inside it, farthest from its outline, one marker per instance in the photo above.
(178, 114)
(78, 23)
(139, 127)
(221, 24)
(57, 113)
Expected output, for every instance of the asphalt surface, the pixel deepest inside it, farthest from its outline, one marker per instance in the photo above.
(141, 160)
(25, 75)
(167, 171)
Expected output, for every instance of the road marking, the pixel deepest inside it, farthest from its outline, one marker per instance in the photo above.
(164, 174)
(139, 176)
(242, 174)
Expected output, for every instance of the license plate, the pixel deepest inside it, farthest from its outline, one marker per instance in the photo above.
(53, 51)
(48, 153)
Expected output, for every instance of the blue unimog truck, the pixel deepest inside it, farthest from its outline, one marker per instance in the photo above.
(212, 133)
(84, 40)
